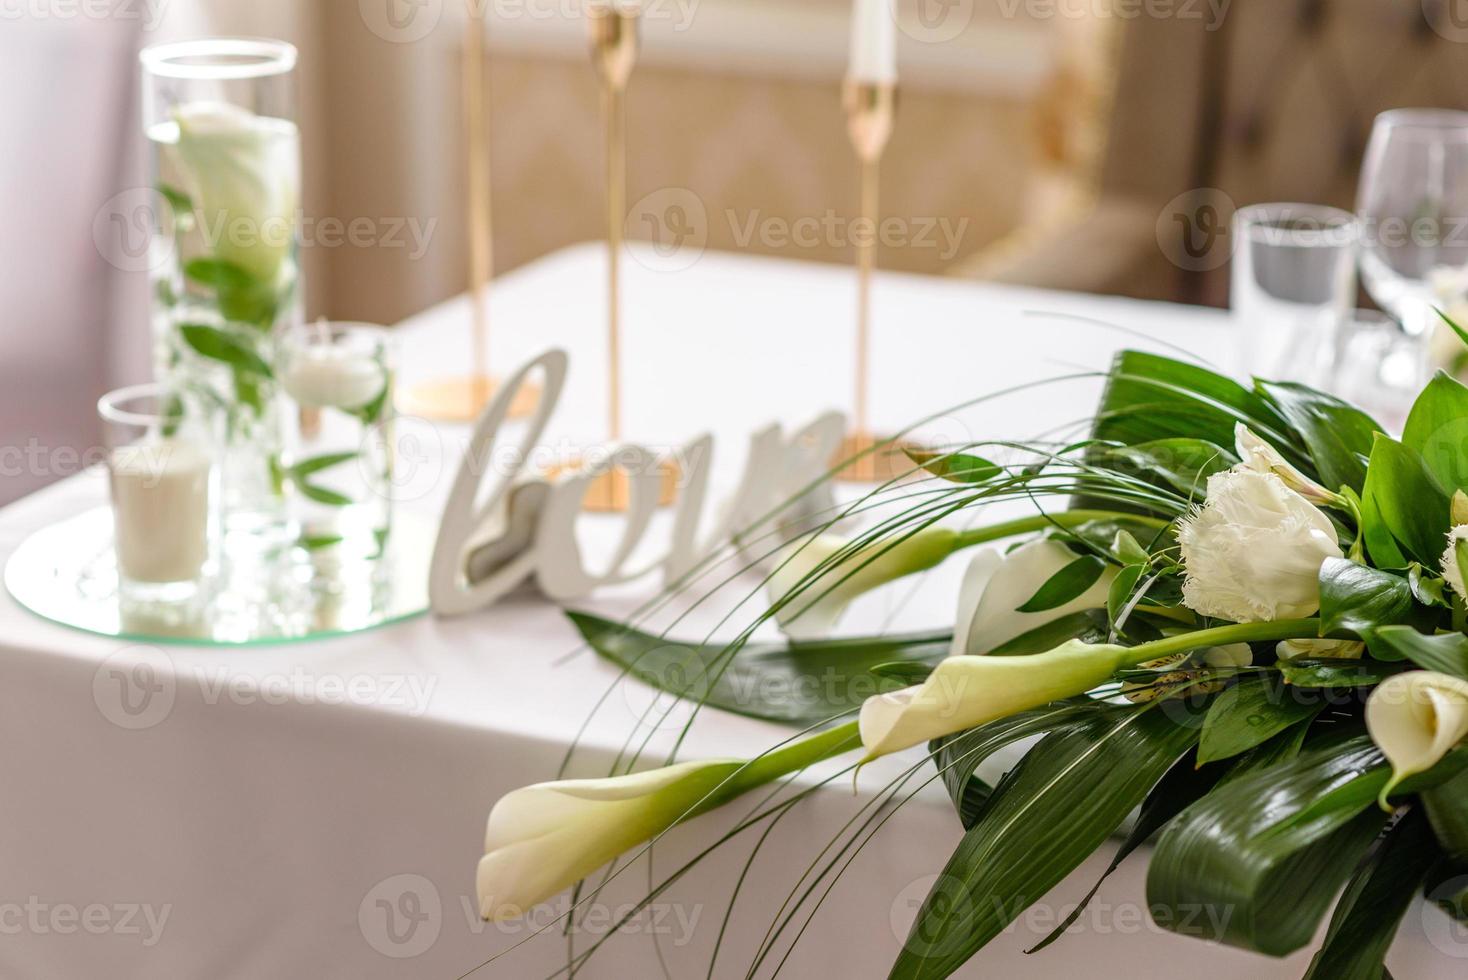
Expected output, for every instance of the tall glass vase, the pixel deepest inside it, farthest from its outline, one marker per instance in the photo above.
(220, 120)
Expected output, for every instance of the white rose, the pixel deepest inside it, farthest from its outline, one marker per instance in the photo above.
(1253, 552)
(244, 171)
(1450, 569)
(1261, 457)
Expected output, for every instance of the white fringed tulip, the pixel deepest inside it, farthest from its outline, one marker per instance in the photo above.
(245, 174)
(542, 839)
(1260, 457)
(1450, 570)
(1253, 552)
(995, 587)
(1415, 719)
(814, 612)
(964, 692)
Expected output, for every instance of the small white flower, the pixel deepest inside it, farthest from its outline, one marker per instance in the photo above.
(244, 172)
(1319, 649)
(1416, 718)
(1261, 457)
(996, 586)
(814, 612)
(1253, 552)
(1450, 569)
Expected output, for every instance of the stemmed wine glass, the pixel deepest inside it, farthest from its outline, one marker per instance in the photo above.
(1414, 210)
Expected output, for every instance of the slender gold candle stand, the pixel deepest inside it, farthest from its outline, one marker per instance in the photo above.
(870, 113)
(461, 399)
(614, 26)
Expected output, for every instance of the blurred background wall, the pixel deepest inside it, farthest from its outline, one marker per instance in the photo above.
(1063, 143)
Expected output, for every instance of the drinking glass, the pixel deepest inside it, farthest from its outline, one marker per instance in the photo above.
(219, 114)
(1294, 278)
(1379, 366)
(338, 379)
(160, 465)
(1414, 205)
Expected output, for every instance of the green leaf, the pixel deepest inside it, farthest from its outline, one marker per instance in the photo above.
(1446, 654)
(1185, 783)
(1453, 325)
(225, 347)
(1066, 585)
(958, 757)
(1121, 591)
(1041, 639)
(1181, 464)
(1447, 811)
(180, 202)
(1070, 792)
(908, 672)
(801, 685)
(1371, 908)
(1405, 509)
(956, 467)
(242, 298)
(1437, 428)
(1427, 587)
(1150, 397)
(316, 464)
(371, 413)
(1337, 436)
(1354, 598)
(323, 495)
(319, 542)
(1262, 857)
(1336, 673)
(1127, 549)
(1249, 714)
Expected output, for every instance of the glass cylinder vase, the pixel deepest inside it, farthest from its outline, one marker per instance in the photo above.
(220, 117)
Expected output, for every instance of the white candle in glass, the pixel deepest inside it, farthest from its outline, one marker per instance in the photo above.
(323, 375)
(873, 43)
(160, 505)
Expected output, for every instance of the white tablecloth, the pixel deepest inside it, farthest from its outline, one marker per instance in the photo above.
(316, 811)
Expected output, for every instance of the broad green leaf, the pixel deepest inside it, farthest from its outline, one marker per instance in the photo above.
(1249, 714)
(1446, 654)
(1150, 397)
(1257, 862)
(1181, 464)
(1437, 428)
(1128, 550)
(1070, 792)
(1354, 598)
(956, 467)
(1337, 436)
(1121, 590)
(1066, 585)
(1371, 908)
(226, 347)
(1404, 506)
(1454, 326)
(958, 757)
(1447, 810)
(242, 298)
(1185, 783)
(1081, 625)
(1336, 673)
(802, 684)
(909, 672)
(1278, 750)
(1427, 587)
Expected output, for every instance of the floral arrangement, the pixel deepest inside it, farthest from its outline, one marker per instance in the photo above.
(1242, 620)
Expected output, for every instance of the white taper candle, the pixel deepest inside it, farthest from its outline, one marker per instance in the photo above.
(873, 42)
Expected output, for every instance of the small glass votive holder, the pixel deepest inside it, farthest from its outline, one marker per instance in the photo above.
(1293, 280)
(161, 468)
(338, 464)
(1378, 366)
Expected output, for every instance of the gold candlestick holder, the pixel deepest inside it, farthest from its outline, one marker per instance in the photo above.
(614, 31)
(871, 110)
(461, 399)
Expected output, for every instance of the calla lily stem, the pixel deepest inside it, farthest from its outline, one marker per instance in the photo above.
(1279, 629)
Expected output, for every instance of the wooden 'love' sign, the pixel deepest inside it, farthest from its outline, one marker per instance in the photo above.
(522, 530)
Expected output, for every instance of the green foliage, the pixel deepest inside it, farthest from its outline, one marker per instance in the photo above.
(956, 467)
(1405, 510)
(1250, 713)
(1355, 598)
(1437, 428)
(1066, 585)
(1446, 654)
(1337, 436)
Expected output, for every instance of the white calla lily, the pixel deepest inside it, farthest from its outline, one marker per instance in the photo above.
(814, 612)
(1415, 719)
(1252, 553)
(244, 171)
(1260, 457)
(544, 838)
(996, 587)
(964, 692)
